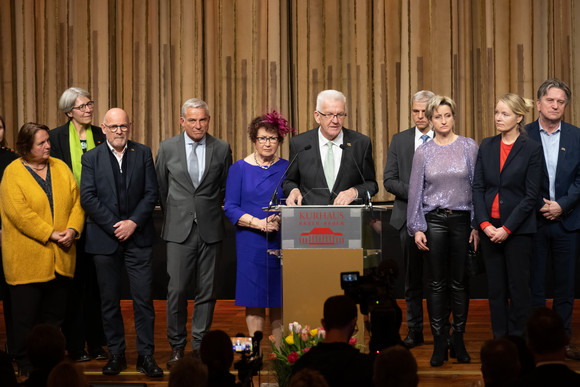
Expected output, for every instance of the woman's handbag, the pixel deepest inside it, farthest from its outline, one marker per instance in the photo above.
(474, 264)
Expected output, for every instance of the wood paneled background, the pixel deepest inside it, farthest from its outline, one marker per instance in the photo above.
(248, 56)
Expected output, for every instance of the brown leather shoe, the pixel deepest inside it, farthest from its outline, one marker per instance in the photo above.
(572, 352)
(176, 354)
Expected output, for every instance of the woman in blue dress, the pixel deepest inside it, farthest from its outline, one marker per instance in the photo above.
(251, 183)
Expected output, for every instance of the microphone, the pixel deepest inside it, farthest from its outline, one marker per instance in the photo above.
(366, 199)
(273, 198)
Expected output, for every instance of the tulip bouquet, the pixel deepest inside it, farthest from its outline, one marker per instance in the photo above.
(299, 341)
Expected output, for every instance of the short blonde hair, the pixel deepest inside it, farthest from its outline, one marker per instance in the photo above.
(520, 106)
(435, 102)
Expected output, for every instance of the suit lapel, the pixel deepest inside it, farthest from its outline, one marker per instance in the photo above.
(65, 145)
(516, 148)
(209, 148)
(108, 168)
(347, 142)
(130, 155)
(564, 141)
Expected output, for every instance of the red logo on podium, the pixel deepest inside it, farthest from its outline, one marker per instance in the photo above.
(321, 236)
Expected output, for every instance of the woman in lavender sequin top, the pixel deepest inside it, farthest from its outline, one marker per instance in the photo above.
(439, 216)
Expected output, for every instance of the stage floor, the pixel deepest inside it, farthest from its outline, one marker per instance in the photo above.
(231, 319)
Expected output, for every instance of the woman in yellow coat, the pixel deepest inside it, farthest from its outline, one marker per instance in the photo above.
(41, 218)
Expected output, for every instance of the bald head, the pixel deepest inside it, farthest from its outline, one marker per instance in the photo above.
(116, 126)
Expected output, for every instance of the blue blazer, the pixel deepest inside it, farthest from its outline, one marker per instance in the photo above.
(567, 174)
(518, 184)
(99, 197)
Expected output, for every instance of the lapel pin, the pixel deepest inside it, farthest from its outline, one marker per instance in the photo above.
(348, 144)
(563, 149)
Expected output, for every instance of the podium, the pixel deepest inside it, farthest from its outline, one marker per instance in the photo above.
(318, 243)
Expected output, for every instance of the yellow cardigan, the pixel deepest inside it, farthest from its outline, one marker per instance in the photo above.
(27, 254)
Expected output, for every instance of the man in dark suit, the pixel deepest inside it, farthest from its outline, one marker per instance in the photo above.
(192, 169)
(118, 194)
(333, 159)
(559, 215)
(547, 340)
(396, 181)
(83, 322)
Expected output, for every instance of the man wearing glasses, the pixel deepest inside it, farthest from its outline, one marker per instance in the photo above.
(118, 194)
(336, 165)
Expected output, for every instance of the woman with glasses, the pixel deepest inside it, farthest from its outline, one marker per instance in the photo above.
(68, 143)
(250, 185)
(439, 217)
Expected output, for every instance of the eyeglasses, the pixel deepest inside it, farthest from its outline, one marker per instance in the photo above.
(115, 128)
(263, 140)
(85, 106)
(330, 116)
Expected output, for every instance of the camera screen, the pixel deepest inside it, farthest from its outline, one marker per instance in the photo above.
(242, 344)
(350, 277)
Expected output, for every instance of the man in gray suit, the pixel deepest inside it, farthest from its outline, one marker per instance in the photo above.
(396, 181)
(192, 168)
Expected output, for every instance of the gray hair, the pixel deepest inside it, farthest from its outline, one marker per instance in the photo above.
(558, 84)
(422, 96)
(69, 97)
(327, 95)
(195, 103)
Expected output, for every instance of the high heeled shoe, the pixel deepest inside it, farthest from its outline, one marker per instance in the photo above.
(439, 351)
(458, 348)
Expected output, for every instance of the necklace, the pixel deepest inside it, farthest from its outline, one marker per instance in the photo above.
(35, 168)
(263, 166)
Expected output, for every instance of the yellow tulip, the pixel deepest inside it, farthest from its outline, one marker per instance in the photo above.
(314, 332)
(290, 340)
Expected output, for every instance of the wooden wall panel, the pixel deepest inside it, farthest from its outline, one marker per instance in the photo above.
(247, 57)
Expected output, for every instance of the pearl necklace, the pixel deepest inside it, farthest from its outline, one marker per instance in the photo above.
(264, 166)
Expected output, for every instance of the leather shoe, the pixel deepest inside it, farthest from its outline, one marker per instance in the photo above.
(413, 339)
(147, 365)
(176, 354)
(115, 365)
(572, 352)
(79, 356)
(98, 353)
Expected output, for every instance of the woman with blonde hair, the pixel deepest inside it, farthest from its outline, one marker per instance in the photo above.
(506, 189)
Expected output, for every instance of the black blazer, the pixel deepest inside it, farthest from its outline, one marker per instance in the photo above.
(518, 183)
(59, 142)
(397, 173)
(99, 197)
(307, 172)
(567, 174)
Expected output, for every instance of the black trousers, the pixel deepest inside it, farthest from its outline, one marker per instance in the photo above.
(137, 262)
(33, 304)
(413, 261)
(83, 322)
(507, 265)
(448, 240)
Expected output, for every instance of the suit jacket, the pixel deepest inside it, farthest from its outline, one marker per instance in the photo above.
(397, 172)
(59, 142)
(567, 174)
(307, 172)
(518, 184)
(100, 201)
(181, 202)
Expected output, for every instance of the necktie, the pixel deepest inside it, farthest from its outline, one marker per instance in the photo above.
(425, 138)
(329, 166)
(193, 166)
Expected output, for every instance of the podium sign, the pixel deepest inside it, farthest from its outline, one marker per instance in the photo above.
(322, 227)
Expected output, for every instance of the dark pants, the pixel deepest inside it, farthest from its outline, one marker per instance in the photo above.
(413, 261)
(448, 239)
(33, 304)
(187, 262)
(7, 309)
(83, 321)
(507, 265)
(554, 241)
(137, 262)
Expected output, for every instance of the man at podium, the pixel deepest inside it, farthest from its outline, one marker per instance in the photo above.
(332, 164)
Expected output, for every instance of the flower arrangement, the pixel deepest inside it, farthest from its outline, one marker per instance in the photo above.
(298, 342)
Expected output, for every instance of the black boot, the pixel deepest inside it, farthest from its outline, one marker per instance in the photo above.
(439, 351)
(459, 348)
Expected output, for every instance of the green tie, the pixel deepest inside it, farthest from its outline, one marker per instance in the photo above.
(329, 166)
